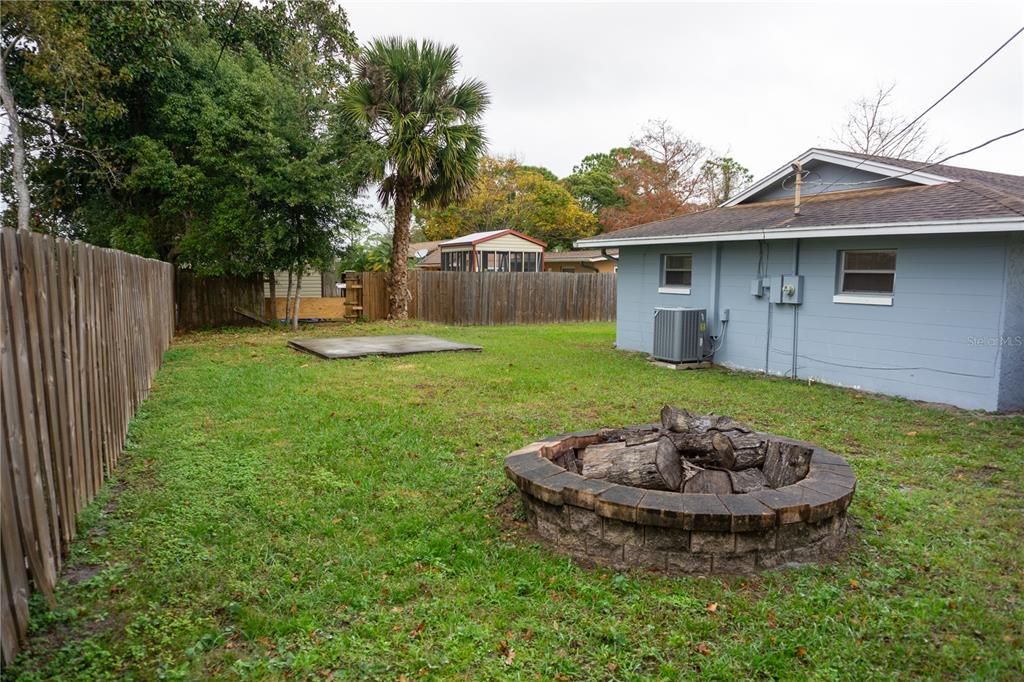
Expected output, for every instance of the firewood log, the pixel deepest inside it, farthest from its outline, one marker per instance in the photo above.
(747, 481)
(683, 421)
(654, 466)
(786, 463)
(709, 481)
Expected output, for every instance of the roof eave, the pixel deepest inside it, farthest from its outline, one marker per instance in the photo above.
(934, 227)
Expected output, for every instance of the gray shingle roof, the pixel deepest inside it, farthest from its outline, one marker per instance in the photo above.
(975, 195)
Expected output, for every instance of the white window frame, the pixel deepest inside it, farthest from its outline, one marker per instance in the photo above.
(663, 287)
(862, 297)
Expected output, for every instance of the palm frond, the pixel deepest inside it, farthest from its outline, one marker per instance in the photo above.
(426, 122)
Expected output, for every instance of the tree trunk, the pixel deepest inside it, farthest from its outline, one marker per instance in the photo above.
(398, 280)
(654, 466)
(273, 297)
(298, 298)
(288, 300)
(17, 149)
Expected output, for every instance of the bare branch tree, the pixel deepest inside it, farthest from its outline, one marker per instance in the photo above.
(680, 157)
(872, 127)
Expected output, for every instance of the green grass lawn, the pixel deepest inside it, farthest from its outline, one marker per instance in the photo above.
(276, 515)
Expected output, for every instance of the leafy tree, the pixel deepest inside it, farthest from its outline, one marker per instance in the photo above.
(426, 127)
(367, 253)
(660, 175)
(594, 184)
(207, 135)
(56, 84)
(646, 190)
(510, 196)
(542, 171)
(721, 177)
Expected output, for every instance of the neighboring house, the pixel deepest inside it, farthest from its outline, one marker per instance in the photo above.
(890, 279)
(494, 251)
(319, 296)
(581, 260)
(425, 255)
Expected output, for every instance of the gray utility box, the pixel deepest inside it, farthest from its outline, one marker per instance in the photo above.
(680, 334)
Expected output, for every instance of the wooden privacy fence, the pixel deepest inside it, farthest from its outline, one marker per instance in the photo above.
(82, 331)
(214, 301)
(490, 298)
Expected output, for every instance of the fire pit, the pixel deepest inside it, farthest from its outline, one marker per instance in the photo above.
(692, 494)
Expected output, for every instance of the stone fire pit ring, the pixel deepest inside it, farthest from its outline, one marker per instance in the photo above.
(620, 526)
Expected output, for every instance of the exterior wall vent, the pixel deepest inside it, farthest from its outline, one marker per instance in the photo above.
(679, 334)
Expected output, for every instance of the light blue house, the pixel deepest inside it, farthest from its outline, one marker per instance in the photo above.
(885, 276)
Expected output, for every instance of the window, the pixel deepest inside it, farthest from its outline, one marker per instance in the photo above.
(866, 277)
(517, 261)
(676, 273)
(531, 261)
(455, 261)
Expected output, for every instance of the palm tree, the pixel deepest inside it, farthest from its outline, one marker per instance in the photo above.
(427, 128)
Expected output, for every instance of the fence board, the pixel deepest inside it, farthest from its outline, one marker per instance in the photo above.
(82, 331)
(204, 302)
(493, 298)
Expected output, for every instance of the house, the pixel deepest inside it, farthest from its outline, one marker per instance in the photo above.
(320, 297)
(494, 251)
(425, 255)
(879, 274)
(581, 260)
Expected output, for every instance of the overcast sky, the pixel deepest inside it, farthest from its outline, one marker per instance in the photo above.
(761, 82)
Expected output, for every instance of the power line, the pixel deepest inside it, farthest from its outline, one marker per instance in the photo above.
(922, 115)
(959, 83)
(927, 165)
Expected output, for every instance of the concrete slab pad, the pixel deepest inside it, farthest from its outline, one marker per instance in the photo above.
(361, 346)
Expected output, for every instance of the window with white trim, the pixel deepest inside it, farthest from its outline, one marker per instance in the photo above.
(677, 271)
(868, 273)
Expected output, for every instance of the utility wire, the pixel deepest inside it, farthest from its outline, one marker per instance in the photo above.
(959, 83)
(922, 115)
(921, 168)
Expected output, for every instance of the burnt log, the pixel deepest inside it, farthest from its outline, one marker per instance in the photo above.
(679, 420)
(786, 463)
(641, 438)
(709, 449)
(710, 481)
(747, 480)
(610, 435)
(689, 471)
(654, 466)
(747, 449)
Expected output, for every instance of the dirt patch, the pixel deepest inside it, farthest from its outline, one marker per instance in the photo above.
(986, 474)
(81, 573)
(510, 514)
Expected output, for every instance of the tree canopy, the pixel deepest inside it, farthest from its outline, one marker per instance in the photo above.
(508, 195)
(661, 174)
(204, 134)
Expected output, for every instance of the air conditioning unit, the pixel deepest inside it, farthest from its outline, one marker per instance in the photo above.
(680, 334)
